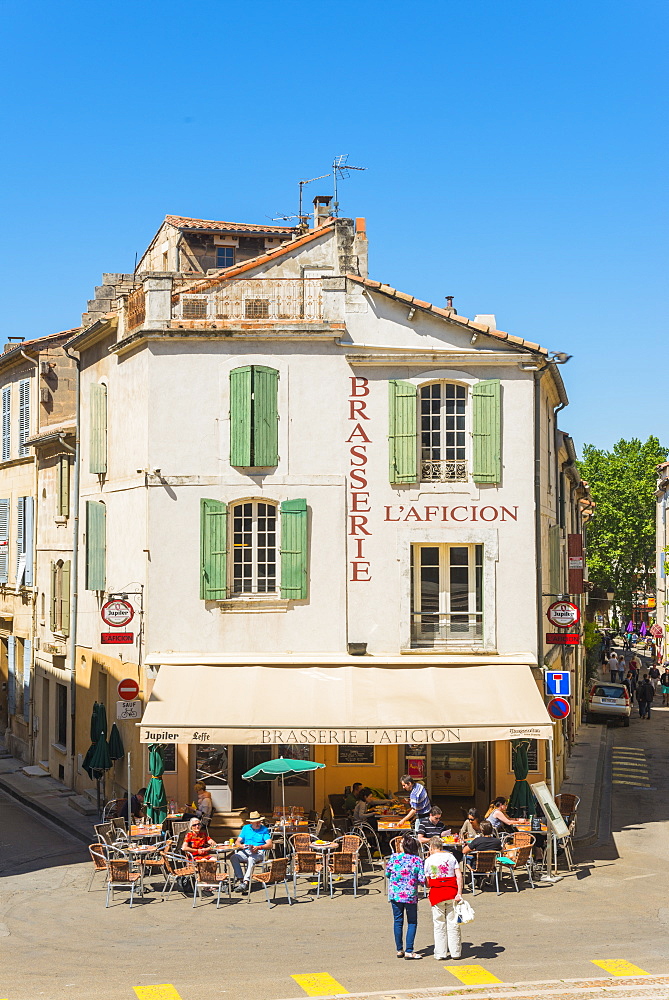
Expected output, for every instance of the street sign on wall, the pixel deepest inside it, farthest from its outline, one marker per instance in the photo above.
(558, 708)
(562, 638)
(128, 710)
(117, 613)
(562, 614)
(118, 638)
(558, 682)
(128, 689)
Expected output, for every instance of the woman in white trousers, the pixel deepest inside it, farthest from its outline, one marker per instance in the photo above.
(444, 879)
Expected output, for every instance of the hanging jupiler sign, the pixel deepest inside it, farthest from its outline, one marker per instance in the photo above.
(341, 737)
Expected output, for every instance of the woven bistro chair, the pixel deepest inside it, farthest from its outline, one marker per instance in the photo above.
(207, 876)
(308, 864)
(483, 864)
(105, 832)
(121, 877)
(270, 873)
(176, 867)
(100, 863)
(515, 860)
(343, 863)
(119, 829)
(300, 842)
(568, 805)
(156, 865)
(396, 845)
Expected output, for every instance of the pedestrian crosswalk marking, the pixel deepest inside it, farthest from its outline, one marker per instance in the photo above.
(619, 967)
(319, 984)
(165, 991)
(472, 975)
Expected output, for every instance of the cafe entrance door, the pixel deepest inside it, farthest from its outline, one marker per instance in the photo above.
(251, 795)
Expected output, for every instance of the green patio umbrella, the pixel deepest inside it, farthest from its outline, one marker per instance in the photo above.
(98, 728)
(280, 767)
(521, 801)
(100, 760)
(155, 798)
(116, 750)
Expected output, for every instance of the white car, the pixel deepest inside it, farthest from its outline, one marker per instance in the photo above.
(609, 701)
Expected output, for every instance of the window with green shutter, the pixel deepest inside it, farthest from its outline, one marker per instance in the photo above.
(65, 597)
(96, 545)
(63, 504)
(213, 550)
(98, 429)
(487, 427)
(554, 558)
(403, 432)
(294, 549)
(4, 540)
(254, 417)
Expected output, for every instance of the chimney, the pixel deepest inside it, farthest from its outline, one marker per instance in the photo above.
(321, 209)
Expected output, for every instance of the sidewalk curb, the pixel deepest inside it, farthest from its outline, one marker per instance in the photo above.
(592, 835)
(44, 813)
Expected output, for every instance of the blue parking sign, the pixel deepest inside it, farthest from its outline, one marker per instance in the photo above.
(558, 683)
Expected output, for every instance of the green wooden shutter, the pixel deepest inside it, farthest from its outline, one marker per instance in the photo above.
(240, 416)
(53, 596)
(65, 598)
(11, 674)
(265, 382)
(5, 507)
(213, 550)
(98, 426)
(63, 485)
(555, 569)
(487, 420)
(96, 545)
(27, 662)
(294, 549)
(403, 432)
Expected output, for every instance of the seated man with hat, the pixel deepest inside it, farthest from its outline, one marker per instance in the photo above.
(253, 841)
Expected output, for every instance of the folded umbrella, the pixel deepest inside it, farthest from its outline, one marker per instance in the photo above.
(521, 800)
(116, 751)
(155, 798)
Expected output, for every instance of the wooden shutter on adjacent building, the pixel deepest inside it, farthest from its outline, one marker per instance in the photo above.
(63, 485)
(24, 414)
(213, 550)
(403, 432)
(294, 549)
(28, 519)
(98, 429)
(575, 557)
(4, 540)
(96, 545)
(54, 596)
(554, 553)
(487, 431)
(20, 539)
(240, 416)
(11, 675)
(6, 423)
(265, 443)
(27, 656)
(65, 598)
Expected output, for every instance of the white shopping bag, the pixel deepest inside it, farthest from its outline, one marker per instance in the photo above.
(464, 913)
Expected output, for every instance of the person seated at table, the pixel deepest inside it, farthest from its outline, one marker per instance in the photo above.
(363, 812)
(500, 821)
(253, 841)
(136, 807)
(472, 825)
(351, 797)
(197, 841)
(431, 826)
(486, 841)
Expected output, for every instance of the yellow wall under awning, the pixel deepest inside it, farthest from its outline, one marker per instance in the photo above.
(333, 778)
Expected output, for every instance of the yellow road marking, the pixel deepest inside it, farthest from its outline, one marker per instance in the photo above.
(163, 992)
(619, 967)
(472, 975)
(635, 784)
(319, 984)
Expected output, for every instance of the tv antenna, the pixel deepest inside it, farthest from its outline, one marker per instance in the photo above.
(301, 217)
(340, 168)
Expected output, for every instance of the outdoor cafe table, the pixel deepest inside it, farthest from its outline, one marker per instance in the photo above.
(139, 832)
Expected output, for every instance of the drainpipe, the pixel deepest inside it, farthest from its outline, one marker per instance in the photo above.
(74, 576)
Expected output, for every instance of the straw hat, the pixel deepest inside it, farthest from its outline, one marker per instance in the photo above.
(255, 817)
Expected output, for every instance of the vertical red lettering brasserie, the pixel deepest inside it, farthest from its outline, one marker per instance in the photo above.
(357, 480)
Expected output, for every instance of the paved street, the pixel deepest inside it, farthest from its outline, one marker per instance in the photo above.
(61, 944)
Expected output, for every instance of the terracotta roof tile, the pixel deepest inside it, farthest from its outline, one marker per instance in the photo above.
(447, 314)
(182, 222)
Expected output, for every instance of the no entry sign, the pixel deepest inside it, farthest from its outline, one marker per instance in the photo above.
(558, 708)
(128, 689)
(562, 614)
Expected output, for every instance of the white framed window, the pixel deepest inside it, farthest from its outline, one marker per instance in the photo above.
(447, 595)
(254, 547)
(443, 432)
(24, 415)
(6, 423)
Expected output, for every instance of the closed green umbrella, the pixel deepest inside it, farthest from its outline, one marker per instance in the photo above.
(521, 801)
(280, 767)
(155, 798)
(100, 759)
(116, 751)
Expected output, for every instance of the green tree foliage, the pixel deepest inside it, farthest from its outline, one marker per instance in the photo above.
(621, 536)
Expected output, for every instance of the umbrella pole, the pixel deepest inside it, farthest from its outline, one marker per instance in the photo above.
(129, 793)
(283, 811)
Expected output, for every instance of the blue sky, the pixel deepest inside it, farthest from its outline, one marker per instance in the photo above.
(516, 159)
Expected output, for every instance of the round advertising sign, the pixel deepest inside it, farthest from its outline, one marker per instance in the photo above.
(562, 614)
(128, 689)
(558, 708)
(117, 613)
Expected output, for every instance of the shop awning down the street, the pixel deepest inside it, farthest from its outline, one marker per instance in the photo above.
(343, 705)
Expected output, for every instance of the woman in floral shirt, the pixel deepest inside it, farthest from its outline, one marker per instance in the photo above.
(405, 872)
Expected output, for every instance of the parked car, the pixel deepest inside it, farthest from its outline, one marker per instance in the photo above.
(609, 701)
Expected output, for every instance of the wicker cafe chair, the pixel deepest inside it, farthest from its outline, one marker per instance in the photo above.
(176, 867)
(156, 865)
(99, 859)
(568, 805)
(105, 832)
(121, 877)
(300, 842)
(484, 865)
(514, 860)
(370, 841)
(207, 876)
(396, 845)
(119, 829)
(308, 864)
(343, 863)
(270, 873)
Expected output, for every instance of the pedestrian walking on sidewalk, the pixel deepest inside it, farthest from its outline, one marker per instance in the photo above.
(622, 668)
(405, 872)
(613, 667)
(664, 686)
(444, 879)
(654, 675)
(645, 693)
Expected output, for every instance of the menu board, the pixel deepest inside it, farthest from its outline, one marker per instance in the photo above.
(355, 755)
(168, 751)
